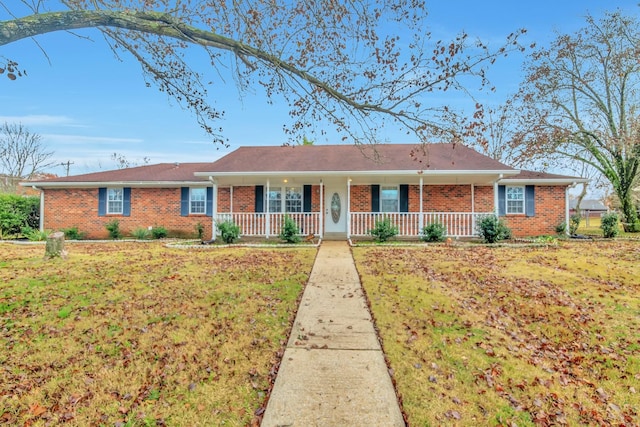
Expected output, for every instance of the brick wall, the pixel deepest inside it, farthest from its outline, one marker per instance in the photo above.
(66, 208)
(550, 211)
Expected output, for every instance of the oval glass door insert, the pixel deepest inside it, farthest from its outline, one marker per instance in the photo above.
(335, 207)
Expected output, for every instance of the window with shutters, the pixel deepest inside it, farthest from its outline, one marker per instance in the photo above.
(389, 199)
(115, 200)
(515, 200)
(197, 200)
(292, 197)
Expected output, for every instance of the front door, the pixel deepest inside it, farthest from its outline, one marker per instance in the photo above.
(335, 208)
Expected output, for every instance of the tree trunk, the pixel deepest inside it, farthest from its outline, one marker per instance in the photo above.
(55, 246)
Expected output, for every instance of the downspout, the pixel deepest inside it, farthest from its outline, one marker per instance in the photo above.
(473, 208)
(567, 218)
(41, 219)
(231, 200)
(214, 208)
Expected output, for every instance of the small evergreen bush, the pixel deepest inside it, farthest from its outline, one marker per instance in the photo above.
(609, 225)
(159, 232)
(199, 230)
(290, 232)
(561, 228)
(434, 232)
(229, 231)
(574, 223)
(113, 227)
(383, 230)
(140, 233)
(492, 229)
(73, 233)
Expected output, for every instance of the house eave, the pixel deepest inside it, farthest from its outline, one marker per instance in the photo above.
(542, 181)
(93, 184)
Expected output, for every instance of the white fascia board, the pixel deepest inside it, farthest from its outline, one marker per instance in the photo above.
(136, 184)
(361, 173)
(541, 181)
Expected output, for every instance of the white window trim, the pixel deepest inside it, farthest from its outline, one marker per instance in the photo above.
(397, 187)
(283, 198)
(507, 200)
(191, 200)
(109, 201)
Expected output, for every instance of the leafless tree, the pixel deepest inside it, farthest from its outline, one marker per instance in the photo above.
(22, 153)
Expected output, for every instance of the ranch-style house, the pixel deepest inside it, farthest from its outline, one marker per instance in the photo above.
(331, 191)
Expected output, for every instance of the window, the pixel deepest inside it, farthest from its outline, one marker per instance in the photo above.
(515, 200)
(274, 200)
(389, 199)
(292, 199)
(197, 200)
(115, 198)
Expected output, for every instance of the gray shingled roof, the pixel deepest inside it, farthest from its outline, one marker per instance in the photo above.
(353, 158)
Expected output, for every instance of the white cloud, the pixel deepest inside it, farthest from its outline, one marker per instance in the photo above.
(83, 139)
(38, 120)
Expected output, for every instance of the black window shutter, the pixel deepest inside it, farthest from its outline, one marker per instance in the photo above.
(404, 198)
(306, 198)
(102, 201)
(530, 200)
(259, 207)
(375, 198)
(126, 201)
(502, 200)
(209, 208)
(184, 201)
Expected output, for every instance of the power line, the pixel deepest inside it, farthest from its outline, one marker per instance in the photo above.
(68, 163)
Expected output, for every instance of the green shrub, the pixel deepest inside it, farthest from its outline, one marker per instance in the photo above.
(113, 227)
(561, 228)
(290, 231)
(610, 225)
(17, 212)
(383, 230)
(434, 232)
(73, 233)
(574, 223)
(229, 231)
(492, 229)
(199, 230)
(34, 234)
(159, 232)
(140, 233)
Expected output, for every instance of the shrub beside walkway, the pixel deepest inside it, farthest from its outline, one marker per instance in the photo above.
(333, 371)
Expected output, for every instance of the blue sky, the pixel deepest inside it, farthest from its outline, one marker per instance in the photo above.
(87, 105)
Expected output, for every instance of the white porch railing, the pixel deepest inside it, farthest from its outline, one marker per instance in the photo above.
(263, 224)
(457, 224)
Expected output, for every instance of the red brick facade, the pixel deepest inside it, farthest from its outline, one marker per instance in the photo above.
(65, 208)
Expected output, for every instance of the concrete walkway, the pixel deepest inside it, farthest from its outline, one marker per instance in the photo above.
(333, 371)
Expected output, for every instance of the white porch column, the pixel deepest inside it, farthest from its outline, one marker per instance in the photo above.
(214, 208)
(321, 219)
(473, 208)
(267, 217)
(421, 217)
(566, 210)
(348, 208)
(231, 199)
(496, 202)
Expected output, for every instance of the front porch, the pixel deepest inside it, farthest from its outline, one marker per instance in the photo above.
(409, 224)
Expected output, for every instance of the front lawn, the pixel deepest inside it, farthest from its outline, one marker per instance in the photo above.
(510, 336)
(135, 334)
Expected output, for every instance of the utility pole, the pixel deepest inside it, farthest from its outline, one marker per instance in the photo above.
(68, 163)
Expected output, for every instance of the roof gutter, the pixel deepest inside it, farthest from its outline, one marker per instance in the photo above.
(71, 184)
(542, 181)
